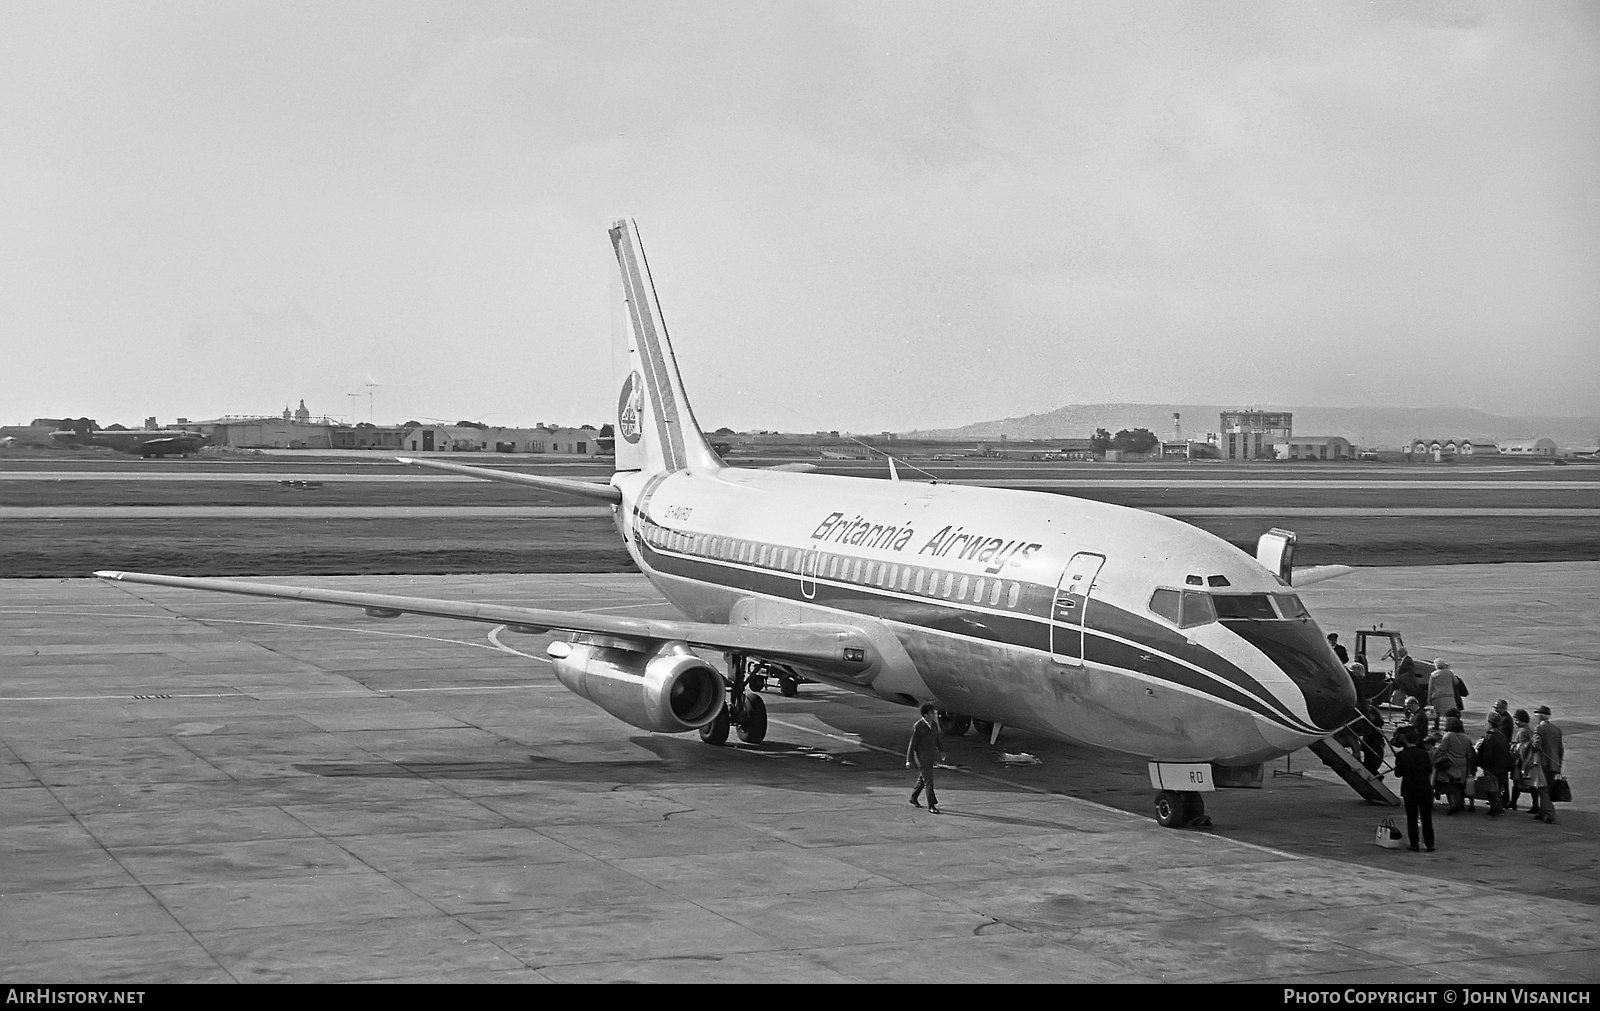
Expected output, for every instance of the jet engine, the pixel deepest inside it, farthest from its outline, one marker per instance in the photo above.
(667, 689)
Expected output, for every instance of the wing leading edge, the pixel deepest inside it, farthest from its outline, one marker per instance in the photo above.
(841, 650)
(560, 485)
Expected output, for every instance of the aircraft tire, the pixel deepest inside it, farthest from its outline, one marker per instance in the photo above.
(983, 728)
(788, 687)
(753, 728)
(716, 732)
(1170, 809)
(954, 724)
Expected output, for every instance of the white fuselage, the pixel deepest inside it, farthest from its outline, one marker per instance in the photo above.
(1033, 610)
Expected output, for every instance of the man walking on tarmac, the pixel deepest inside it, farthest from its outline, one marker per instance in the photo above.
(1415, 770)
(925, 749)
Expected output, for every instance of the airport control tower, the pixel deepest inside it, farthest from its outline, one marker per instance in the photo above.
(1249, 434)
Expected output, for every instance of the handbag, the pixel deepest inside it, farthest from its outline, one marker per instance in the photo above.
(1560, 791)
(1484, 786)
(1387, 835)
(1461, 688)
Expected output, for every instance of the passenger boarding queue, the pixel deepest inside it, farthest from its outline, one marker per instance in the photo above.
(1435, 758)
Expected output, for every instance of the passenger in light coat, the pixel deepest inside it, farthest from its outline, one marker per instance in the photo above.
(1442, 694)
(1530, 769)
(1453, 759)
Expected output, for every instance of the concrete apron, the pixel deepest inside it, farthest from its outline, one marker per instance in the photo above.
(281, 792)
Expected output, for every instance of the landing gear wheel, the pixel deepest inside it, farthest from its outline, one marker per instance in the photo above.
(1169, 809)
(753, 728)
(983, 728)
(789, 687)
(954, 724)
(716, 732)
(757, 683)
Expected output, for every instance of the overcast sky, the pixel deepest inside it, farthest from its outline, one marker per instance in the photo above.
(859, 215)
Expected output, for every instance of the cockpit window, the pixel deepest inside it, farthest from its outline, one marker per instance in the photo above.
(1184, 608)
(1289, 605)
(1244, 605)
(1188, 608)
(1197, 610)
(1167, 604)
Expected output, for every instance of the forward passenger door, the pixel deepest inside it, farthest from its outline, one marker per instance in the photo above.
(1069, 614)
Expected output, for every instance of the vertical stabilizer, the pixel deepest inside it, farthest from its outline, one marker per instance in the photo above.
(655, 427)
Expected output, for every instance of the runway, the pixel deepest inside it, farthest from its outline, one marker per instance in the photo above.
(208, 788)
(1186, 480)
(178, 512)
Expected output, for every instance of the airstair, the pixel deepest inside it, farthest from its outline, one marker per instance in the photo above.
(1338, 758)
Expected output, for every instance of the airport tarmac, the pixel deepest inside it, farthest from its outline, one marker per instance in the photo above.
(200, 787)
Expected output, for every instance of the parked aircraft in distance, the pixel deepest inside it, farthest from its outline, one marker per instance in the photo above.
(1075, 619)
(139, 443)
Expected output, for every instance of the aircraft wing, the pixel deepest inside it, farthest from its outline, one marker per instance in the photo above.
(839, 649)
(561, 485)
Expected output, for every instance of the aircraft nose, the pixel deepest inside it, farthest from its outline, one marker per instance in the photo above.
(1301, 651)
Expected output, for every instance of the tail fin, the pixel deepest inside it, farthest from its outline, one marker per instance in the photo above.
(655, 427)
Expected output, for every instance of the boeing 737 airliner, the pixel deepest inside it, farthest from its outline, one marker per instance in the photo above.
(1075, 619)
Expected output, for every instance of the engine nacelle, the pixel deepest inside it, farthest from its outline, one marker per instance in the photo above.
(668, 689)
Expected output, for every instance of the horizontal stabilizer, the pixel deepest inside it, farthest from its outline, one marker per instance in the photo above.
(1318, 573)
(559, 485)
(837, 649)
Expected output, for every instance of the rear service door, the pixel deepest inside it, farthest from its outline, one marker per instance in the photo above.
(1070, 613)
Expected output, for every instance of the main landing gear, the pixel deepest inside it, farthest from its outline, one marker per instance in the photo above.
(745, 711)
(1181, 809)
(761, 673)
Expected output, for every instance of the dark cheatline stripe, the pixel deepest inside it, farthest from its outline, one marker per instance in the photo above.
(668, 432)
(1031, 631)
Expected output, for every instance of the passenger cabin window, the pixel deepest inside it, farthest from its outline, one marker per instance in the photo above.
(1254, 606)
(1014, 595)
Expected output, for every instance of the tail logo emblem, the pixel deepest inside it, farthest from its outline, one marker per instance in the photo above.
(629, 409)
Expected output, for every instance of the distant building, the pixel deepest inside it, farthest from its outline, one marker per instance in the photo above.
(265, 433)
(1189, 449)
(368, 437)
(1444, 449)
(1314, 447)
(1250, 435)
(470, 439)
(1528, 447)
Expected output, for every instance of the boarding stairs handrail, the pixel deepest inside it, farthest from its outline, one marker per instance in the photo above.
(1349, 767)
